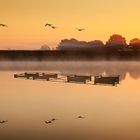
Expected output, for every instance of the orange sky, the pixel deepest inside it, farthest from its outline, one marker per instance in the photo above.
(100, 18)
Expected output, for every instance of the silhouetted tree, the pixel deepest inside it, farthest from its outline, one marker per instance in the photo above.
(116, 42)
(74, 44)
(45, 47)
(71, 44)
(135, 43)
(96, 43)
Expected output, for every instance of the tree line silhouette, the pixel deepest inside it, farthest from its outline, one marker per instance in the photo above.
(115, 42)
(115, 48)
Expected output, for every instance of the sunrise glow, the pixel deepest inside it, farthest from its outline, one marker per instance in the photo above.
(99, 18)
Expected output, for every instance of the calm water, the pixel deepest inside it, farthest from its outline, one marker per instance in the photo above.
(111, 113)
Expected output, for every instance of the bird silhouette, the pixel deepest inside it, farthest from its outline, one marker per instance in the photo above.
(3, 25)
(48, 122)
(3, 121)
(53, 27)
(80, 29)
(48, 24)
(80, 117)
(53, 119)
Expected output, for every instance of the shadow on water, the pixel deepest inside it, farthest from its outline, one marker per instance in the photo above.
(78, 67)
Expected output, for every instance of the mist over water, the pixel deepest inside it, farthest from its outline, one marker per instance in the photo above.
(77, 67)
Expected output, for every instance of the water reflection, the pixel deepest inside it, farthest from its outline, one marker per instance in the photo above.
(103, 112)
(88, 68)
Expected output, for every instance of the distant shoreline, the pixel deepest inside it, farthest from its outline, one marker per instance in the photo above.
(69, 55)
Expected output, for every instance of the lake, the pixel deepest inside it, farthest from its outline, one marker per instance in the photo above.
(111, 112)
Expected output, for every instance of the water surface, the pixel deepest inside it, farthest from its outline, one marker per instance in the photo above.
(111, 113)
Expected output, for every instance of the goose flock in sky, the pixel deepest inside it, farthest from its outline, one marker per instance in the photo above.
(46, 25)
(47, 122)
(52, 120)
(54, 27)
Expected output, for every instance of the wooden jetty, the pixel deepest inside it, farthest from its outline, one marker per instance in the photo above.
(26, 75)
(31, 75)
(36, 75)
(113, 80)
(46, 76)
(78, 78)
(110, 80)
(19, 75)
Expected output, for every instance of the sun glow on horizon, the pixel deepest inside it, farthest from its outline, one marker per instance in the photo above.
(99, 18)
